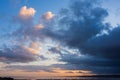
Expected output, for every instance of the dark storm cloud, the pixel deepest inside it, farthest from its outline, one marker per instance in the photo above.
(80, 23)
(107, 47)
(94, 63)
(79, 26)
(54, 50)
(106, 44)
(16, 54)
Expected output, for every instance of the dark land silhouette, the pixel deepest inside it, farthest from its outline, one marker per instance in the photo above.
(6, 78)
(90, 77)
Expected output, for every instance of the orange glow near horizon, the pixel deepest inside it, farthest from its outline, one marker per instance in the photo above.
(37, 74)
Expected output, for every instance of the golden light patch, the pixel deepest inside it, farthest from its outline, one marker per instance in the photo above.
(49, 15)
(41, 73)
(39, 26)
(32, 50)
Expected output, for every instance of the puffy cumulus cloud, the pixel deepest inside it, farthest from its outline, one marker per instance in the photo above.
(27, 28)
(26, 13)
(25, 21)
(49, 15)
(16, 54)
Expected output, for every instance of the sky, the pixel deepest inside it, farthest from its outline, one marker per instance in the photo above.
(59, 37)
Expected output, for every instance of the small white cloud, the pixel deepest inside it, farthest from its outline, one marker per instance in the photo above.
(26, 13)
(49, 15)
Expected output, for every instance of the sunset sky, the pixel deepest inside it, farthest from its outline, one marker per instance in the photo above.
(59, 37)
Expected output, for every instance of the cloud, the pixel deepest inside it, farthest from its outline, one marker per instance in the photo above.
(26, 13)
(76, 27)
(25, 20)
(49, 69)
(28, 68)
(79, 30)
(27, 28)
(39, 26)
(34, 48)
(84, 22)
(49, 15)
(34, 45)
(31, 50)
(16, 54)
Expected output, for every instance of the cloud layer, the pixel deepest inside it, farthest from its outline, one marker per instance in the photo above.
(80, 28)
(16, 54)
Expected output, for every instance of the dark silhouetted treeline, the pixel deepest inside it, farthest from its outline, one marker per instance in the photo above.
(6, 78)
